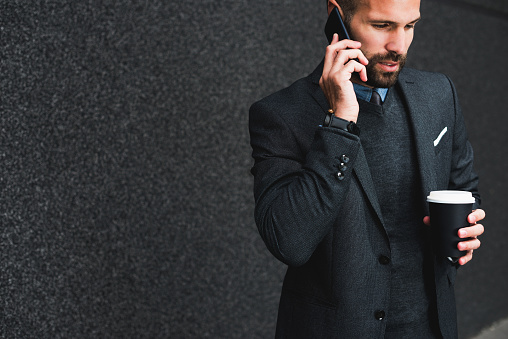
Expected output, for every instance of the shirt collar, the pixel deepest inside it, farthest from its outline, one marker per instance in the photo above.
(365, 93)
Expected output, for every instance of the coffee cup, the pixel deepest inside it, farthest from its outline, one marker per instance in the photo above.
(448, 213)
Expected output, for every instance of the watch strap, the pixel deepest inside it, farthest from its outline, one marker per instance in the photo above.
(332, 121)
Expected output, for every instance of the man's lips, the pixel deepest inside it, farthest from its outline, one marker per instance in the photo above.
(388, 66)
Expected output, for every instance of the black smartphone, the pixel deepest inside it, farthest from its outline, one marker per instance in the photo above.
(334, 24)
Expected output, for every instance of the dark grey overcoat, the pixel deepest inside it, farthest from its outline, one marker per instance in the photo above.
(329, 231)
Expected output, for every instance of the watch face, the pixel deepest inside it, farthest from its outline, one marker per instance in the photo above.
(352, 128)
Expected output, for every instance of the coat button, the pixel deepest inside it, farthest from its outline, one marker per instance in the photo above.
(384, 260)
(344, 158)
(342, 167)
(380, 315)
(340, 175)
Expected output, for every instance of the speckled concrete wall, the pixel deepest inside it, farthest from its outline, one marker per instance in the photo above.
(126, 208)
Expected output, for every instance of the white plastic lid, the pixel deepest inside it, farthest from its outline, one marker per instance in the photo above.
(451, 197)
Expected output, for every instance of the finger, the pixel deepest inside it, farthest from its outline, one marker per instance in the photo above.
(353, 66)
(344, 72)
(363, 73)
(469, 245)
(476, 216)
(465, 259)
(345, 55)
(331, 52)
(334, 48)
(346, 44)
(335, 39)
(357, 54)
(342, 69)
(350, 44)
(426, 220)
(471, 231)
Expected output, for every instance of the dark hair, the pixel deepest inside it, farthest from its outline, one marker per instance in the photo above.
(349, 8)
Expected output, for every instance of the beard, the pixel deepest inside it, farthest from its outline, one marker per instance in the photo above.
(378, 78)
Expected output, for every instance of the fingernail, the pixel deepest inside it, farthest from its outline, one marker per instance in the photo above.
(462, 233)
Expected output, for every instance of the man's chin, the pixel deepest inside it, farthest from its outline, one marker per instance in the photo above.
(383, 79)
(383, 70)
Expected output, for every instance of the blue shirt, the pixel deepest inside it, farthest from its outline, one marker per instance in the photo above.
(365, 93)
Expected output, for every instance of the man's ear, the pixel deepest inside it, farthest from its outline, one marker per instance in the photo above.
(332, 4)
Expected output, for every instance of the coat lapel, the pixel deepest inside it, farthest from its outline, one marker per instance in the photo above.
(362, 172)
(418, 116)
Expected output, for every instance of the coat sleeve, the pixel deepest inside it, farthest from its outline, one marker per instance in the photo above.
(462, 174)
(297, 189)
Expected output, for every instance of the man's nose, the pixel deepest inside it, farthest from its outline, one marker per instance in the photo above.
(398, 41)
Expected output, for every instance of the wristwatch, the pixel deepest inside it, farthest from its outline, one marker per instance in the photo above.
(332, 121)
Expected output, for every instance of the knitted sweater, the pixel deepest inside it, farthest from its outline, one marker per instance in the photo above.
(387, 139)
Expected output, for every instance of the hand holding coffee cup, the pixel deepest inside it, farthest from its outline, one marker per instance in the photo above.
(449, 211)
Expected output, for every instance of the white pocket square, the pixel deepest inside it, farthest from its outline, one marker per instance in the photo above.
(436, 142)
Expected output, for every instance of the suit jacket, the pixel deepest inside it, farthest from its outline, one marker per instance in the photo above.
(329, 229)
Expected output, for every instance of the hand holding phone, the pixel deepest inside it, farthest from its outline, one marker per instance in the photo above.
(343, 58)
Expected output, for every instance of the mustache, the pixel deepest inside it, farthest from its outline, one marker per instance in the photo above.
(390, 56)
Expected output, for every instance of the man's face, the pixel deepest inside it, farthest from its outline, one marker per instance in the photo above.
(385, 28)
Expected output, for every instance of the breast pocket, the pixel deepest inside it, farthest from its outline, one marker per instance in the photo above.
(442, 141)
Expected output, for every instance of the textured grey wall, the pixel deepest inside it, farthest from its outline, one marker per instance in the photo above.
(125, 193)
(499, 6)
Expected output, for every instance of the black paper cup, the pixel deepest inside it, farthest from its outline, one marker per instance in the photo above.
(448, 214)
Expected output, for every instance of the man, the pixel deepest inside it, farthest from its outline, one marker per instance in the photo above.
(343, 203)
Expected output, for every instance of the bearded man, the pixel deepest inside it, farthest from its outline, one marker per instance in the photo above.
(344, 159)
